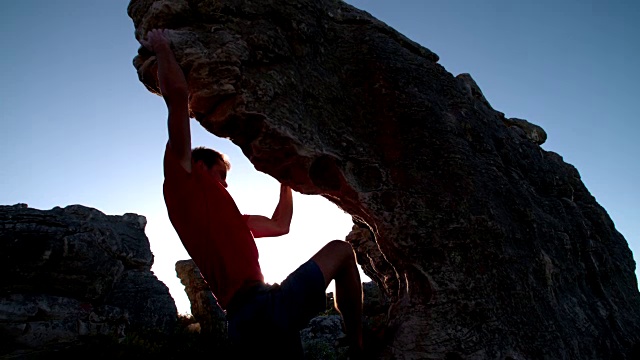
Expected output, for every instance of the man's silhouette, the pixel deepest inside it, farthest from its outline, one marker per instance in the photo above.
(263, 319)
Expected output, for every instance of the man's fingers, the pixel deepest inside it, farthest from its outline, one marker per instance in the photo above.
(153, 38)
(158, 34)
(145, 43)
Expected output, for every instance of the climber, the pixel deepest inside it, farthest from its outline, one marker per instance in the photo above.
(261, 317)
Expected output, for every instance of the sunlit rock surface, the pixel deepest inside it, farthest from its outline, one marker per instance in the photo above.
(204, 306)
(74, 273)
(487, 245)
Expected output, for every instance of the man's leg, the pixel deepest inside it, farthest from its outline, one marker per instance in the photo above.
(337, 261)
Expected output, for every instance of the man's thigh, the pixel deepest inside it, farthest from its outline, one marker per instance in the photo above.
(276, 314)
(285, 307)
(301, 296)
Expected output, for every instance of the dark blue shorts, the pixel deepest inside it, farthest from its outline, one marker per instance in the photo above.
(267, 319)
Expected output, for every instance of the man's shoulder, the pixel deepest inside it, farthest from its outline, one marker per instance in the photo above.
(172, 167)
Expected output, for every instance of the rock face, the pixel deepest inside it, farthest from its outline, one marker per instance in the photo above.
(488, 246)
(204, 307)
(320, 338)
(71, 273)
(324, 339)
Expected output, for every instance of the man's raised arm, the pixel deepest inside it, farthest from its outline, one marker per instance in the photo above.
(173, 87)
(278, 224)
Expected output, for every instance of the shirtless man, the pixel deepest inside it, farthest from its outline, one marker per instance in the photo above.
(262, 319)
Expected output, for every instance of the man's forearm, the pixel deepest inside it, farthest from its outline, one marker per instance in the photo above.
(174, 89)
(279, 223)
(173, 84)
(284, 211)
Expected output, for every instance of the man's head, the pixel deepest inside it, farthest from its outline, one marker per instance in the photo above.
(216, 163)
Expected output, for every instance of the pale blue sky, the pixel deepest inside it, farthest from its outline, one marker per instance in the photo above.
(78, 127)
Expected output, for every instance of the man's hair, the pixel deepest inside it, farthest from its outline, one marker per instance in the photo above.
(209, 157)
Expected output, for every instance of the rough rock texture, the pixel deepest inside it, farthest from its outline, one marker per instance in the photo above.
(320, 339)
(204, 307)
(73, 272)
(487, 245)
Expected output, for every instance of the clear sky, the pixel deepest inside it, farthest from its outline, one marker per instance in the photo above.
(78, 127)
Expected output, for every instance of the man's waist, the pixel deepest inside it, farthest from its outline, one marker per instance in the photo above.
(244, 294)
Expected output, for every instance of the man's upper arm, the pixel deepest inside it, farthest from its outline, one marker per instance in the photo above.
(262, 226)
(180, 135)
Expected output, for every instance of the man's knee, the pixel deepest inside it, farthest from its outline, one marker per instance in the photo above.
(334, 258)
(342, 249)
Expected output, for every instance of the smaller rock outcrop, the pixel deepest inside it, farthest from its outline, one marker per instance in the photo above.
(324, 338)
(321, 339)
(204, 307)
(73, 273)
(530, 131)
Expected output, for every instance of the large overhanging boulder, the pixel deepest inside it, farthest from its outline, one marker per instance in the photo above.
(487, 245)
